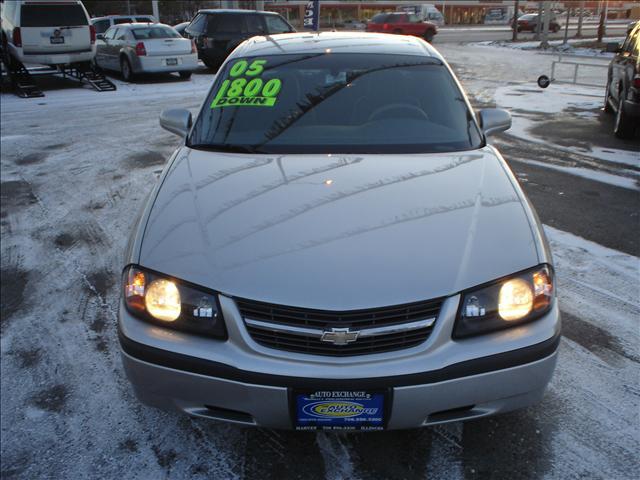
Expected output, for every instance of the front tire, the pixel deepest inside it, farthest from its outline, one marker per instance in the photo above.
(607, 97)
(624, 127)
(428, 36)
(125, 69)
(185, 75)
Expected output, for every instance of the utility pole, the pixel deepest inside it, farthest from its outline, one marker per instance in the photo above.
(514, 21)
(603, 20)
(545, 30)
(539, 22)
(156, 10)
(579, 32)
(566, 27)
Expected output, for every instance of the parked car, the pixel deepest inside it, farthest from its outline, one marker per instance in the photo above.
(102, 24)
(56, 33)
(529, 23)
(403, 24)
(335, 245)
(218, 32)
(353, 24)
(622, 95)
(425, 11)
(136, 48)
(181, 27)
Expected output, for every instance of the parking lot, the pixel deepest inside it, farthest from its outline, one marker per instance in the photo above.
(76, 167)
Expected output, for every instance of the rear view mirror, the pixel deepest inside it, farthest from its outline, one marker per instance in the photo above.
(176, 120)
(612, 47)
(494, 120)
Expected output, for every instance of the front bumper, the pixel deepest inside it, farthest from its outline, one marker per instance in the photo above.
(440, 381)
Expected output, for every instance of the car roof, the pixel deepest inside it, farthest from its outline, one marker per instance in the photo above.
(337, 42)
(132, 25)
(235, 11)
(108, 17)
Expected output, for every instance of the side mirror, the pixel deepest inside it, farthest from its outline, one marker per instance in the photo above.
(612, 47)
(494, 120)
(176, 120)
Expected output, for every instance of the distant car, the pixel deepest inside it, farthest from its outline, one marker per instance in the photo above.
(622, 95)
(137, 48)
(181, 27)
(102, 24)
(353, 24)
(403, 24)
(218, 32)
(529, 23)
(56, 33)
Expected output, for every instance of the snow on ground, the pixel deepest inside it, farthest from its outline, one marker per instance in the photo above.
(572, 46)
(569, 102)
(75, 169)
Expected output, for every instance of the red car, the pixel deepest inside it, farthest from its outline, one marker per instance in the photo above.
(403, 24)
(529, 23)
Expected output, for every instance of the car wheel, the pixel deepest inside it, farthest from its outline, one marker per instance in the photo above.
(607, 99)
(185, 75)
(428, 36)
(211, 65)
(624, 127)
(125, 69)
(519, 29)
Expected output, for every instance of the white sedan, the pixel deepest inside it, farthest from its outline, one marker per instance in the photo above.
(136, 48)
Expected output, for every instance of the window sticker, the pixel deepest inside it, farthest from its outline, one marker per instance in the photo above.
(245, 87)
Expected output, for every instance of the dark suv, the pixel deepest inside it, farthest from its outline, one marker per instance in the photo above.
(623, 84)
(218, 32)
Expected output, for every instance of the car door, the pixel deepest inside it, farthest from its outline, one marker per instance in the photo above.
(111, 59)
(102, 47)
(619, 65)
(229, 32)
(414, 25)
(254, 25)
(629, 59)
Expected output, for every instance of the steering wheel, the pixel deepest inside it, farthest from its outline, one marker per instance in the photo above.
(415, 111)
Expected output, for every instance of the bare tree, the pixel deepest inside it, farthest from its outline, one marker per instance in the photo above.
(545, 28)
(579, 32)
(514, 20)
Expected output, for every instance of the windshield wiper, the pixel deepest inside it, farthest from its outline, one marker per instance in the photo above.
(225, 147)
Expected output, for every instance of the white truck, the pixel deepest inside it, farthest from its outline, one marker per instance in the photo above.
(426, 11)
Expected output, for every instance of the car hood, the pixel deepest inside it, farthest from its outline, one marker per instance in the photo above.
(338, 232)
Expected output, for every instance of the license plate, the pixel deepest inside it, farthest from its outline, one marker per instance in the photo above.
(171, 61)
(56, 39)
(339, 410)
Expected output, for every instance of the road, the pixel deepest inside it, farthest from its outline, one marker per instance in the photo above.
(75, 169)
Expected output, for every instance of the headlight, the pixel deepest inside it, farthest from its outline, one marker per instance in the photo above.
(172, 303)
(507, 302)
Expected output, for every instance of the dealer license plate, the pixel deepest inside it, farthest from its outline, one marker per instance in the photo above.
(171, 62)
(339, 410)
(56, 39)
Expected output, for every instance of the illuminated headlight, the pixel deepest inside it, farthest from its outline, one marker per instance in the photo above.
(172, 303)
(507, 302)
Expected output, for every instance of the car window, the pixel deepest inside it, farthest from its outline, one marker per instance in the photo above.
(275, 24)
(121, 20)
(228, 23)
(144, 20)
(336, 103)
(41, 15)
(380, 18)
(101, 26)
(147, 33)
(197, 25)
(254, 25)
(122, 34)
(110, 33)
(396, 18)
(413, 18)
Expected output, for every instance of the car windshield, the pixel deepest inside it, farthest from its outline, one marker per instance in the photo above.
(529, 17)
(335, 102)
(147, 33)
(380, 18)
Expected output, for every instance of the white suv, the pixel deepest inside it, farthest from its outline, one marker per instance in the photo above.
(48, 32)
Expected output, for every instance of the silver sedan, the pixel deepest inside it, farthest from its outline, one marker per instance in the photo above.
(336, 246)
(137, 48)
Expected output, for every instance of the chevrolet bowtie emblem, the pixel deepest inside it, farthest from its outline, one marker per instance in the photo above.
(339, 336)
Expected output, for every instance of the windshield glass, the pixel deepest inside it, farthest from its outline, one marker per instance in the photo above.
(342, 103)
(40, 15)
(154, 32)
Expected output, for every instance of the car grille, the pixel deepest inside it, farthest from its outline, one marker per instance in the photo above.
(299, 330)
